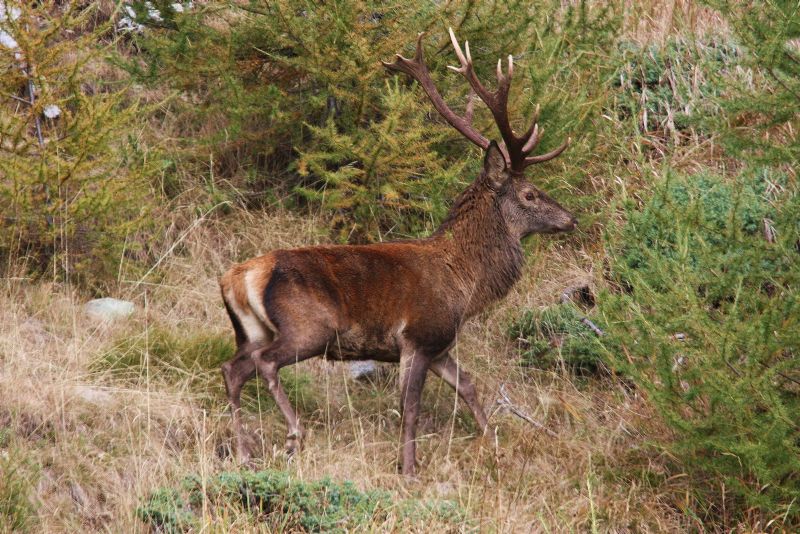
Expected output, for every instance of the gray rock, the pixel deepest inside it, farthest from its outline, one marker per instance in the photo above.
(108, 309)
(78, 494)
(363, 369)
(93, 395)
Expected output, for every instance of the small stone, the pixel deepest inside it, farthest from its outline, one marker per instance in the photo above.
(363, 369)
(7, 41)
(78, 494)
(93, 395)
(51, 111)
(108, 309)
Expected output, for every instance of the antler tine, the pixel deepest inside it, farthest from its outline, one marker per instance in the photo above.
(466, 69)
(550, 155)
(532, 141)
(418, 70)
(459, 53)
(533, 134)
(504, 82)
(496, 101)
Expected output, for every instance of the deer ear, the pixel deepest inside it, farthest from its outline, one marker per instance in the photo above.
(494, 166)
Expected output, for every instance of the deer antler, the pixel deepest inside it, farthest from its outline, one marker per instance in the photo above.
(418, 70)
(516, 149)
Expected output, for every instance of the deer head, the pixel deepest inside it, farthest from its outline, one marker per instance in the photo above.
(525, 208)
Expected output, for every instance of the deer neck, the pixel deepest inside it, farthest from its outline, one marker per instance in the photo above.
(477, 245)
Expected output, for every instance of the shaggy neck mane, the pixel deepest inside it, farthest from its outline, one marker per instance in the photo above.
(487, 258)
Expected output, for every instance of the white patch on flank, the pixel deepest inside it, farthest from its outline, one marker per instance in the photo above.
(253, 328)
(255, 297)
(400, 327)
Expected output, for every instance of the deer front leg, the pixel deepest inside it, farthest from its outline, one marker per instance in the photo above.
(449, 371)
(413, 380)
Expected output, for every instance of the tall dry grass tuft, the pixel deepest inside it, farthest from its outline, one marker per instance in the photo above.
(97, 436)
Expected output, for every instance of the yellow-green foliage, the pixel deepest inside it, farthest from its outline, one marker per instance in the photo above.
(70, 186)
(769, 32)
(383, 176)
(160, 355)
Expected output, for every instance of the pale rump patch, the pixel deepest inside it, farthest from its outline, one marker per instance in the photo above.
(255, 283)
(253, 328)
(243, 288)
(398, 330)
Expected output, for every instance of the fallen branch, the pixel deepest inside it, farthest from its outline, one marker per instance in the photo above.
(566, 297)
(505, 402)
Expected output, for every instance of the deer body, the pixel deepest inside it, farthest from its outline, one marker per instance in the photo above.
(397, 302)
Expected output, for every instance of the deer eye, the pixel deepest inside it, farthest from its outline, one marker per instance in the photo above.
(529, 196)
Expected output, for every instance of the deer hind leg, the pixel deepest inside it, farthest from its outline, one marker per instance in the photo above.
(236, 373)
(449, 371)
(268, 361)
(414, 369)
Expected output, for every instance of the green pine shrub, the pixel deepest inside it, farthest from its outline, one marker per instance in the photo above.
(384, 176)
(71, 181)
(555, 335)
(290, 98)
(762, 112)
(707, 323)
(286, 504)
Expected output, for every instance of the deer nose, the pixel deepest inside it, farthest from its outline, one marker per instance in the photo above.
(573, 223)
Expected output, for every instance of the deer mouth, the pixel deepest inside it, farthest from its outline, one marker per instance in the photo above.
(567, 227)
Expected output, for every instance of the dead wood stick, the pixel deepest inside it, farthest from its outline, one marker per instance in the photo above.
(769, 231)
(505, 402)
(566, 296)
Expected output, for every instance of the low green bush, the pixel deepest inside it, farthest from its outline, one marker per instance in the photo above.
(706, 322)
(555, 335)
(285, 504)
(762, 109)
(173, 354)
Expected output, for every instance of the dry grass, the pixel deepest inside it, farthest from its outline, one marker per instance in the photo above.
(655, 21)
(96, 443)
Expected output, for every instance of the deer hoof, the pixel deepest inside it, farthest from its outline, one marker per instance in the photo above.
(242, 454)
(293, 443)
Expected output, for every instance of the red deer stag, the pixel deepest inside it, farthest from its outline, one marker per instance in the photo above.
(398, 301)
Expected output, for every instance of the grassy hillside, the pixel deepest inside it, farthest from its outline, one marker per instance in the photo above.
(99, 417)
(191, 137)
